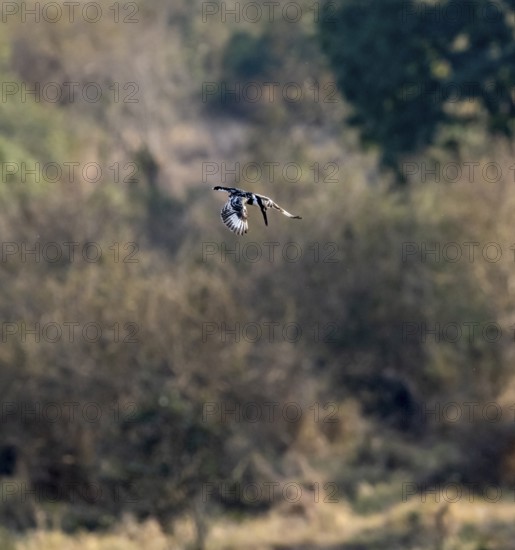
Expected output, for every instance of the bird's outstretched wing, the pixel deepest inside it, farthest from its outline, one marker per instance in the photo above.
(267, 202)
(230, 190)
(234, 215)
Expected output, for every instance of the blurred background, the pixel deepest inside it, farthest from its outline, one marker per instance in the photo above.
(344, 381)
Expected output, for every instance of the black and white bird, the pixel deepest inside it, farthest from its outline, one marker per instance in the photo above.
(234, 211)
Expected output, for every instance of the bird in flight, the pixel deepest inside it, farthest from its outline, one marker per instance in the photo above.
(234, 211)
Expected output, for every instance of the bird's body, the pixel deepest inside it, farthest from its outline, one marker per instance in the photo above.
(234, 211)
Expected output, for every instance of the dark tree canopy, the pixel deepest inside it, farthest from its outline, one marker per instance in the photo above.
(401, 63)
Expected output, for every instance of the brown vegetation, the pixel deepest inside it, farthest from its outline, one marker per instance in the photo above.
(106, 442)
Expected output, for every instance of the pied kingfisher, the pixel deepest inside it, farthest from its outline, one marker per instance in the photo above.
(234, 211)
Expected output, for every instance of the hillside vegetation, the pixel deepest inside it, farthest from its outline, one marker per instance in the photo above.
(156, 369)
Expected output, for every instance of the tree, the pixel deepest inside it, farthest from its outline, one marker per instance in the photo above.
(402, 64)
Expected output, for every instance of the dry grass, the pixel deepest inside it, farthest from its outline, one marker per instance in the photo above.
(131, 537)
(463, 525)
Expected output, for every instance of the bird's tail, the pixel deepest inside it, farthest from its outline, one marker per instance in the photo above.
(286, 213)
(272, 204)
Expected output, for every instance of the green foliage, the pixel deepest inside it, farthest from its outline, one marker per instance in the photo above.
(402, 65)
